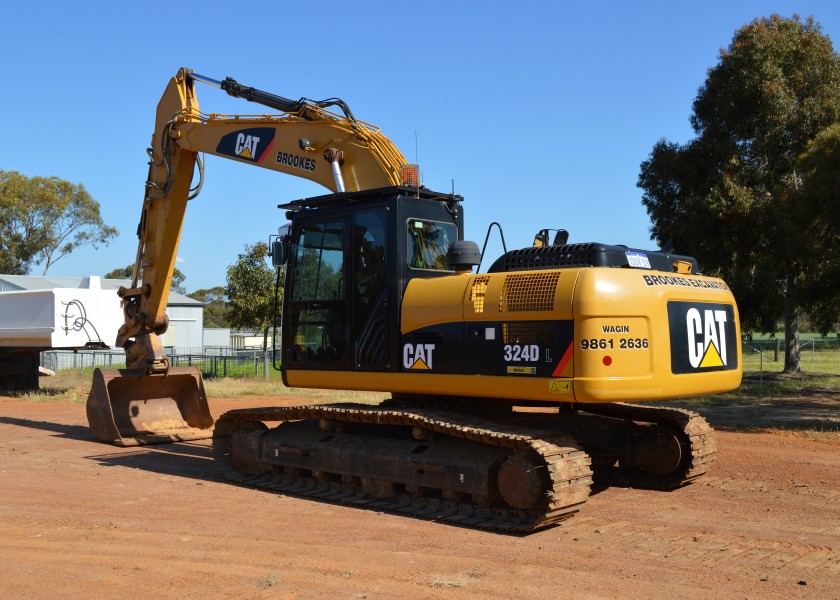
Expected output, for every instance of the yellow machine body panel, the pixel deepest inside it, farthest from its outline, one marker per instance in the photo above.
(587, 335)
(429, 383)
(641, 336)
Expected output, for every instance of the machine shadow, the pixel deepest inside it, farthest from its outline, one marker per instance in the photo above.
(192, 460)
(189, 460)
(73, 432)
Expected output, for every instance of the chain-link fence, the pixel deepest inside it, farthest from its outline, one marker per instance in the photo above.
(816, 355)
(241, 362)
(212, 362)
(85, 360)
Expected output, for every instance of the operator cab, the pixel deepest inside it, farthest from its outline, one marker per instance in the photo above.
(349, 257)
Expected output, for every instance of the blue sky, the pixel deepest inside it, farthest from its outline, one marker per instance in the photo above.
(539, 112)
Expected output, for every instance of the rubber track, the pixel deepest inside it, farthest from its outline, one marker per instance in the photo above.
(567, 465)
(698, 440)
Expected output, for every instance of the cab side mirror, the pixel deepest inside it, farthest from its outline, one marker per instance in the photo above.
(279, 252)
(279, 245)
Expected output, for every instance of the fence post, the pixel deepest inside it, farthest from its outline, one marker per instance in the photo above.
(265, 364)
(776, 354)
(761, 363)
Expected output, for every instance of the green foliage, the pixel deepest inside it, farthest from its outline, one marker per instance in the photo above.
(215, 306)
(43, 219)
(818, 197)
(250, 289)
(127, 272)
(729, 196)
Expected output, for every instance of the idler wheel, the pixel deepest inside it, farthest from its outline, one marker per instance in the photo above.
(522, 481)
(656, 450)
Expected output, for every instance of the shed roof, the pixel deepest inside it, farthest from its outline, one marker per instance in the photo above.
(16, 283)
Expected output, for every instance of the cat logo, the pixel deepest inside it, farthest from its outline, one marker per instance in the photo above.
(418, 356)
(706, 338)
(702, 337)
(246, 145)
(252, 144)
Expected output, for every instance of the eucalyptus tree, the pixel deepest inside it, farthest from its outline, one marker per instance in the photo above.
(731, 195)
(43, 219)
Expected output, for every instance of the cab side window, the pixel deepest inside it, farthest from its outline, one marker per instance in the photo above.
(319, 262)
(428, 243)
(318, 296)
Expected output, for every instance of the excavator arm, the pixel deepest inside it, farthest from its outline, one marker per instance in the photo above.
(304, 140)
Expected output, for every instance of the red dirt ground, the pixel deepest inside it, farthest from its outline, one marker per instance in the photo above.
(81, 519)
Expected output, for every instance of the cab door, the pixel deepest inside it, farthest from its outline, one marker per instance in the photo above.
(371, 290)
(317, 320)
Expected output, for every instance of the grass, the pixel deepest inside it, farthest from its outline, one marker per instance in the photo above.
(813, 360)
(74, 386)
(66, 386)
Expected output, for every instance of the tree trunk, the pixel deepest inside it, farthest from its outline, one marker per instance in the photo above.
(265, 353)
(793, 318)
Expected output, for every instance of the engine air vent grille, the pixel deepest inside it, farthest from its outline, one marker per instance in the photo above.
(591, 254)
(528, 292)
(528, 332)
(478, 292)
(547, 257)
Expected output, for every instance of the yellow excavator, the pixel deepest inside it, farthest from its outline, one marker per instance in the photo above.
(510, 389)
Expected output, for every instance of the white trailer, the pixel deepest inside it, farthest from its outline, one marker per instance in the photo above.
(32, 321)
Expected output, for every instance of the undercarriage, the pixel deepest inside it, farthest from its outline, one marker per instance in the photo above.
(510, 469)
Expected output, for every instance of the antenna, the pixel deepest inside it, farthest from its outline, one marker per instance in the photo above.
(417, 160)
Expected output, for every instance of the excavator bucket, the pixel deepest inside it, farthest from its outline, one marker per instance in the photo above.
(128, 408)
